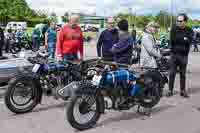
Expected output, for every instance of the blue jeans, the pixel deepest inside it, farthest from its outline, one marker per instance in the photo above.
(70, 57)
(51, 49)
(36, 43)
(51, 52)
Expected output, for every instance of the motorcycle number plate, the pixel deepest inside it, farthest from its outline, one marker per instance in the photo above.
(36, 68)
(96, 80)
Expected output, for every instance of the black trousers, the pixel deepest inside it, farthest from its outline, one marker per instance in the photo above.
(1, 47)
(178, 63)
(7, 46)
(196, 49)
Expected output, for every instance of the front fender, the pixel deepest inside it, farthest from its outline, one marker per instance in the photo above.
(78, 89)
(36, 82)
(84, 88)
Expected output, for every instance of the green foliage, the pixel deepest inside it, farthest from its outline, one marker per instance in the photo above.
(33, 21)
(65, 18)
(164, 18)
(53, 17)
(142, 21)
(139, 21)
(17, 10)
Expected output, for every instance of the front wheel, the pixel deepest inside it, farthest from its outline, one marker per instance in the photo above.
(21, 95)
(84, 111)
(15, 49)
(27, 46)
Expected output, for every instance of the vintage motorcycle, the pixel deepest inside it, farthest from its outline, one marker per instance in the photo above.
(25, 90)
(123, 87)
(17, 46)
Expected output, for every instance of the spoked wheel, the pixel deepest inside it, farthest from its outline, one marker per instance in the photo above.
(21, 96)
(83, 112)
(15, 49)
(27, 46)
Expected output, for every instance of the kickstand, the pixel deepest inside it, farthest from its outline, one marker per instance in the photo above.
(147, 112)
(138, 109)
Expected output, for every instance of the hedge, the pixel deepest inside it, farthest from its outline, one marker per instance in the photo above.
(33, 22)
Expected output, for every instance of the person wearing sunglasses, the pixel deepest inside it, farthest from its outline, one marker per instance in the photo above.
(180, 43)
(106, 40)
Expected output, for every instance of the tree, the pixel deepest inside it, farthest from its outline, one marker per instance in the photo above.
(53, 17)
(165, 19)
(65, 18)
(142, 21)
(17, 10)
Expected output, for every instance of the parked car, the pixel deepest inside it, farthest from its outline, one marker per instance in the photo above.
(10, 68)
(16, 25)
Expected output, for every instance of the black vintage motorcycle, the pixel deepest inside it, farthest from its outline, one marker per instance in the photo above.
(23, 43)
(123, 87)
(25, 90)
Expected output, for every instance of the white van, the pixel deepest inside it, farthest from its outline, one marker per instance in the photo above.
(16, 25)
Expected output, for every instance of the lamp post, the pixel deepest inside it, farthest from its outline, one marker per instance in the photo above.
(172, 13)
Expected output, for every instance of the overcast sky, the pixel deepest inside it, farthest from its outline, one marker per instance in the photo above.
(111, 7)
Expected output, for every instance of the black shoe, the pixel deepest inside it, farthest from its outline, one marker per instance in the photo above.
(170, 94)
(3, 58)
(184, 94)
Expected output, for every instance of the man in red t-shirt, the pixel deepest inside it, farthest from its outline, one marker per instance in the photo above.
(70, 41)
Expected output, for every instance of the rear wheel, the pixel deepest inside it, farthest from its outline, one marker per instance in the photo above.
(151, 97)
(27, 46)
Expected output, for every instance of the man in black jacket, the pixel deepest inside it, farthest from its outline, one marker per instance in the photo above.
(107, 39)
(181, 39)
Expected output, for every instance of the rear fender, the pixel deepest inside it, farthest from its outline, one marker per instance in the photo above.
(157, 77)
